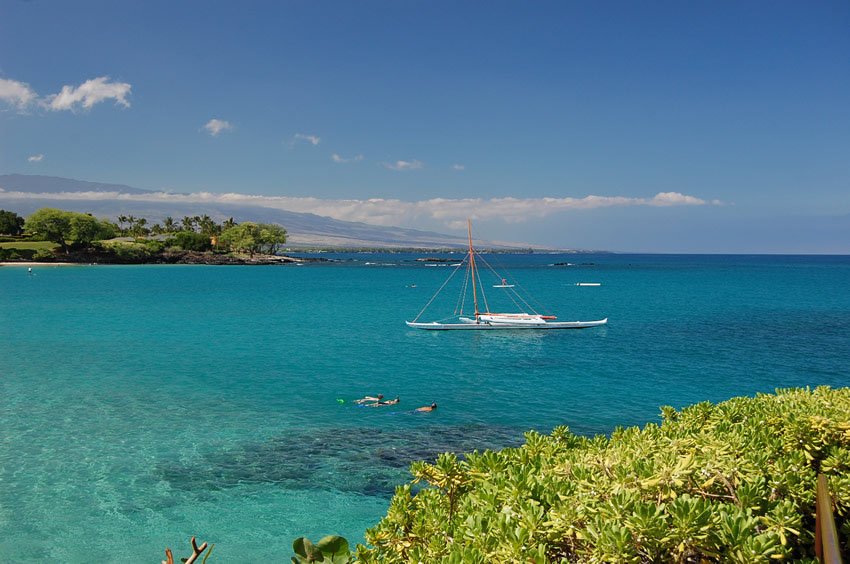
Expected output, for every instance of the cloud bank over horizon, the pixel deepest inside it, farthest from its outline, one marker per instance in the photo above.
(449, 212)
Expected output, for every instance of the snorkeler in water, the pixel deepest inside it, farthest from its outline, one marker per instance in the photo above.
(369, 399)
(426, 408)
(383, 403)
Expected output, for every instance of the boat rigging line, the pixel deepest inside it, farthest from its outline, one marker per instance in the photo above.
(462, 298)
(512, 292)
(436, 294)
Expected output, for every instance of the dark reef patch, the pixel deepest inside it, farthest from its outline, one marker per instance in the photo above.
(368, 461)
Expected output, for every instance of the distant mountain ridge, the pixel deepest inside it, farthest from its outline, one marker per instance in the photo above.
(26, 193)
(34, 183)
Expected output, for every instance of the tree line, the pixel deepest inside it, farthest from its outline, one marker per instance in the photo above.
(203, 224)
(197, 233)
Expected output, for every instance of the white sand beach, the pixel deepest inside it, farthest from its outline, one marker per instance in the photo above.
(32, 264)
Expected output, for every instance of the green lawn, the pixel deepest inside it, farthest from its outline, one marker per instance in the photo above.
(34, 245)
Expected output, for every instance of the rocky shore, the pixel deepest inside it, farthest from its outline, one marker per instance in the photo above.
(91, 256)
(193, 257)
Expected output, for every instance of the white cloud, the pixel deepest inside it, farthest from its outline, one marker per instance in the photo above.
(216, 126)
(458, 167)
(391, 212)
(404, 165)
(18, 94)
(312, 139)
(675, 199)
(337, 159)
(88, 94)
(35, 158)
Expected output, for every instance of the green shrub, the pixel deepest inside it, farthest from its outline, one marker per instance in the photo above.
(43, 255)
(732, 482)
(332, 549)
(190, 241)
(123, 251)
(8, 254)
(153, 246)
(17, 254)
(130, 253)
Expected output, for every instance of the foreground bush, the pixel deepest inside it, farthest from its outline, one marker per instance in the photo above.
(16, 254)
(190, 241)
(732, 482)
(128, 252)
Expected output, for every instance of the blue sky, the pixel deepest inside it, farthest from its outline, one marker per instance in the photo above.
(556, 123)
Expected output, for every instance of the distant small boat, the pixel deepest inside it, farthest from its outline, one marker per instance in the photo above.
(504, 284)
(588, 284)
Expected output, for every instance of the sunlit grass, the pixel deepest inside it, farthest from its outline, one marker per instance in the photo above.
(29, 245)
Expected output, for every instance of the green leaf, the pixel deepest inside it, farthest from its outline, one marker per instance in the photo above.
(303, 548)
(335, 549)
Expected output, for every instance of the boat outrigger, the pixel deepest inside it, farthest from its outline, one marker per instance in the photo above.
(487, 320)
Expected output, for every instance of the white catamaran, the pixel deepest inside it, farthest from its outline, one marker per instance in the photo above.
(488, 320)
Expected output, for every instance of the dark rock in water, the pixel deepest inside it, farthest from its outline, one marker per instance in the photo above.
(364, 460)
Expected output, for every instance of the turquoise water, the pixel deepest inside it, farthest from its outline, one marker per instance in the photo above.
(142, 405)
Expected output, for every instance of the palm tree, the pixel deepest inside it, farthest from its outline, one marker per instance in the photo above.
(168, 225)
(188, 223)
(208, 226)
(139, 228)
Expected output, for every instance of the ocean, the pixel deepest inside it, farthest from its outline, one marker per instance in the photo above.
(142, 405)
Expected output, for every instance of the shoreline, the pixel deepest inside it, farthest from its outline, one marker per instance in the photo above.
(32, 263)
(182, 257)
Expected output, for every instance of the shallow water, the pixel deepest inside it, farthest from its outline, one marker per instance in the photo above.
(142, 405)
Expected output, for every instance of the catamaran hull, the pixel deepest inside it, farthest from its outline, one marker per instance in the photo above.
(488, 326)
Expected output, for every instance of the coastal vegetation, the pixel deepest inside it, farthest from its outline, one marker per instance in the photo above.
(728, 482)
(66, 228)
(53, 234)
(29, 245)
(11, 223)
(254, 238)
(332, 549)
(731, 482)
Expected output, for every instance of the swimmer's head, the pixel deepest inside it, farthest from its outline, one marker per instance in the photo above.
(380, 396)
(434, 405)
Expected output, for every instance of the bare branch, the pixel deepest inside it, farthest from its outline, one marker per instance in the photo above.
(196, 551)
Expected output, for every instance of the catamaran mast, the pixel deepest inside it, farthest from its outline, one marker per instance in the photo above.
(472, 266)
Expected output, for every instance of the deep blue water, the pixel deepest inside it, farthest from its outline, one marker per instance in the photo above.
(142, 405)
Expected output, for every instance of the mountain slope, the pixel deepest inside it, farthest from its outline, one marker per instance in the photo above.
(26, 193)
